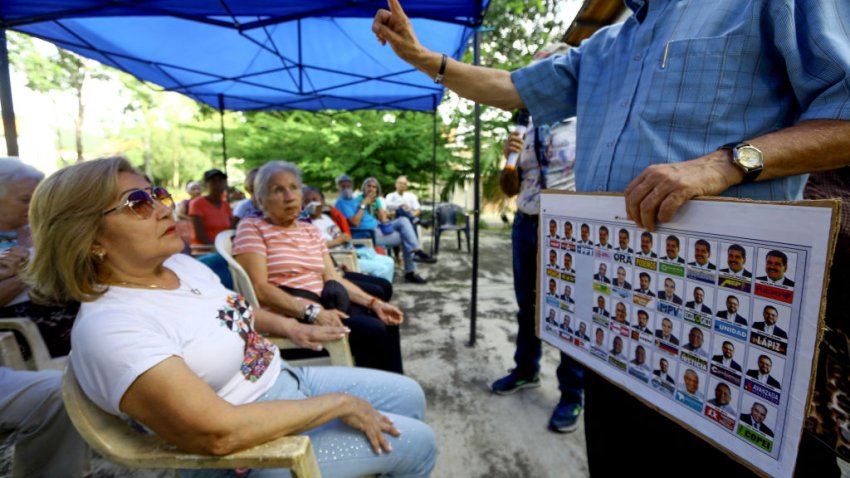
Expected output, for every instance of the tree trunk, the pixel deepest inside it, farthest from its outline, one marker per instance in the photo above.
(78, 124)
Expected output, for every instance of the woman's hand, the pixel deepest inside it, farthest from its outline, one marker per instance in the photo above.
(312, 336)
(362, 416)
(12, 261)
(388, 313)
(331, 317)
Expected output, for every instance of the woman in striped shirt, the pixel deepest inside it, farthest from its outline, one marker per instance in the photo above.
(293, 274)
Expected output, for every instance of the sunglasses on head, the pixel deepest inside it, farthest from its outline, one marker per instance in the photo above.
(142, 203)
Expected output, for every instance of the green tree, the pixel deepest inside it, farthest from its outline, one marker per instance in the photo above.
(60, 71)
(513, 31)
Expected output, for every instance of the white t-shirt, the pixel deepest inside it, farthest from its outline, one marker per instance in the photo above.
(327, 227)
(128, 331)
(396, 200)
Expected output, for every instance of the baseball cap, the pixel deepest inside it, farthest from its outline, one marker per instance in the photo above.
(343, 177)
(213, 173)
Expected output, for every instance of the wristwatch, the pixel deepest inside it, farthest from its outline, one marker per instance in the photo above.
(311, 311)
(363, 207)
(747, 157)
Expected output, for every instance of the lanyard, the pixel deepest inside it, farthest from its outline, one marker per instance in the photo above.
(540, 154)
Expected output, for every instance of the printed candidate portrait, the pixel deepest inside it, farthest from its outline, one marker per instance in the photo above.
(700, 297)
(600, 338)
(553, 259)
(641, 357)
(728, 353)
(642, 320)
(765, 368)
(586, 236)
(621, 313)
(602, 306)
(733, 306)
(582, 331)
(622, 277)
(776, 267)
(723, 396)
(692, 381)
(647, 245)
(670, 289)
(552, 288)
(702, 254)
(618, 347)
(551, 316)
(671, 250)
(645, 283)
(771, 318)
(668, 330)
(602, 271)
(758, 414)
(552, 231)
(566, 325)
(624, 241)
(665, 368)
(736, 260)
(604, 238)
(568, 231)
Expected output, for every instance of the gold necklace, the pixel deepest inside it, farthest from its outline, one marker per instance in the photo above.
(155, 286)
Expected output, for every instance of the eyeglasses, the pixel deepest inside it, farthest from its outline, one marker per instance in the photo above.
(142, 203)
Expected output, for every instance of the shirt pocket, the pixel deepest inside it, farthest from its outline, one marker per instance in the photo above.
(696, 82)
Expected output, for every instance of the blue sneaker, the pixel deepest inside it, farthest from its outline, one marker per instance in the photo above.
(513, 383)
(565, 417)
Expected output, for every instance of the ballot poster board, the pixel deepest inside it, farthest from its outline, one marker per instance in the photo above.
(712, 318)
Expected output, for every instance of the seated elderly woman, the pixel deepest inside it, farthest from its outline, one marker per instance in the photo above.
(367, 211)
(160, 340)
(293, 273)
(17, 183)
(337, 235)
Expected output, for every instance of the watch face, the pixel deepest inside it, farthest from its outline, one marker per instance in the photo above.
(749, 157)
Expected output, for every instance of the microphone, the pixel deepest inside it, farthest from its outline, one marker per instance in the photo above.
(520, 126)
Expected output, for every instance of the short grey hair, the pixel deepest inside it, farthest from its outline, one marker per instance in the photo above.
(264, 175)
(13, 170)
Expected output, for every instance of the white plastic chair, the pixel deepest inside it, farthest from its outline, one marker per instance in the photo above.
(339, 350)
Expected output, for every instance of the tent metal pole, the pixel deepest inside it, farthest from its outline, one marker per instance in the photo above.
(223, 132)
(9, 129)
(473, 306)
(434, 181)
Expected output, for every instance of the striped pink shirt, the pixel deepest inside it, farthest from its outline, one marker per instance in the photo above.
(295, 256)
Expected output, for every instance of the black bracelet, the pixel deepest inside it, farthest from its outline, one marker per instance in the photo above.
(439, 77)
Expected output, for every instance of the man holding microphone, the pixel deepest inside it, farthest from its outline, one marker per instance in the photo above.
(534, 163)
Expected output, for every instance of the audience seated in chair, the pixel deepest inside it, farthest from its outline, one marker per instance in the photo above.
(337, 237)
(17, 183)
(366, 211)
(293, 274)
(159, 339)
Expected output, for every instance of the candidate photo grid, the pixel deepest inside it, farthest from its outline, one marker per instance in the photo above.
(657, 336)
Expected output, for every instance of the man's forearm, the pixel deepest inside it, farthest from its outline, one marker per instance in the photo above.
(489, 86)
(807, 147)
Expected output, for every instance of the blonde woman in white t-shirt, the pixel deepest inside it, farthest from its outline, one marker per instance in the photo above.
(159, 339)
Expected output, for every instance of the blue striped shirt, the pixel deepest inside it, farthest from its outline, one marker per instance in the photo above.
(680, 78)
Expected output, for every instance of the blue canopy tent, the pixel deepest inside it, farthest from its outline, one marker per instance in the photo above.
(254, 54)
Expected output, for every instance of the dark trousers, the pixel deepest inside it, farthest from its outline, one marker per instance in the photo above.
(373, 343)
(528, 346)
(374, 286)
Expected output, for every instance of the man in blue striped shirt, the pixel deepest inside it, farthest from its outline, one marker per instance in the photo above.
(685, 98)
(660, 94)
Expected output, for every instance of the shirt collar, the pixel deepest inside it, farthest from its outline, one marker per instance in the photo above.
(635, 5)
